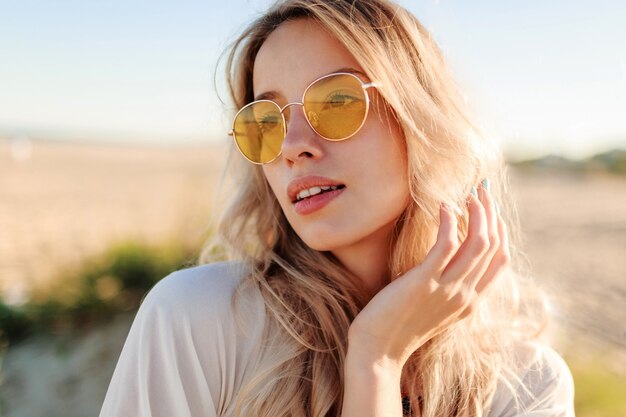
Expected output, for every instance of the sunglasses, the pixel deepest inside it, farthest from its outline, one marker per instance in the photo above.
(335, 107)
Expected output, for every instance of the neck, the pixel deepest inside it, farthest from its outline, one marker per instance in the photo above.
(368, 259)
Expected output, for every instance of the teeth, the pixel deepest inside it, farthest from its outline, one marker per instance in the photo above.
(314, 191)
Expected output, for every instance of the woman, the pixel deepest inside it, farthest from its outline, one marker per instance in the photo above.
(374, 275)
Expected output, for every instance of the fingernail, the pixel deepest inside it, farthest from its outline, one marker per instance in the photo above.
(474, 192)
(485, 183)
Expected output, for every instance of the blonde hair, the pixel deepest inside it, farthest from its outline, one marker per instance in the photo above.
(310, 298)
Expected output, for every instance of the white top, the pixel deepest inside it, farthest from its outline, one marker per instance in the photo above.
(185, 357)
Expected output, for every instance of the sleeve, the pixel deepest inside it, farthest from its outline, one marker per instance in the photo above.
(179, 355)
(548, 389)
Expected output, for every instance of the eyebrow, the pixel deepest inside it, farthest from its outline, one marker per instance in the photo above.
(272, 95)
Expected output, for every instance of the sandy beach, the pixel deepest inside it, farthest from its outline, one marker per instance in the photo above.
(61, 202)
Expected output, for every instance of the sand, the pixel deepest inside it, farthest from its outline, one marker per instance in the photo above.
(575, 238)
(61, 202)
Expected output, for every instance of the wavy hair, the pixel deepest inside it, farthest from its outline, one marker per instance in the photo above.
(310, 298)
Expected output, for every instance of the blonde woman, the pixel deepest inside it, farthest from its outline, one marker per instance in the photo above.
(370, 229)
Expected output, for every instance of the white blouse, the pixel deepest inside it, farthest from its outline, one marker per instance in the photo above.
(186, 357)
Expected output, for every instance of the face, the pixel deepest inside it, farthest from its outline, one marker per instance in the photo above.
(368, 169)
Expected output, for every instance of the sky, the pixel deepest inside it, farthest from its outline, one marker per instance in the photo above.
(542, 76)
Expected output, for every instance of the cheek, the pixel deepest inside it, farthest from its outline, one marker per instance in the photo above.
(269, 177)
(391, 169)
(397, 153)
(383, 155)
(272, 176)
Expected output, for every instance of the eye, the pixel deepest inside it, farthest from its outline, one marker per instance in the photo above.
(268, 122)
(339, 99)
(268, 119)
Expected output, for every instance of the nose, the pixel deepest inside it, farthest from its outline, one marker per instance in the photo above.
(301, 142)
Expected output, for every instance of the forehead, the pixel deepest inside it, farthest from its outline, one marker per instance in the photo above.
(296, 53)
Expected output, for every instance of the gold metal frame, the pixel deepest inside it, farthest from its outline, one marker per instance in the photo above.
(364, 86)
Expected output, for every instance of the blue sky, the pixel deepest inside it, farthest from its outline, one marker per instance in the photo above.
(542, 76)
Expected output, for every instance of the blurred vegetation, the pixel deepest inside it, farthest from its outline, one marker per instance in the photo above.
(611, 162)
(91, 292)
(599, 392)
(116, 281)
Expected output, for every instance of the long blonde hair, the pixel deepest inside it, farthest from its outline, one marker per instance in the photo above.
(310, 298)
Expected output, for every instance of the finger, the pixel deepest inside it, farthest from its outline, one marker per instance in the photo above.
(471, 250)
(492, 232)
(471, 307)
(499, 262)
(446, 244)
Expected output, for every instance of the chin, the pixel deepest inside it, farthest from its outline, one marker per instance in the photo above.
(322, 241)
(321, 245)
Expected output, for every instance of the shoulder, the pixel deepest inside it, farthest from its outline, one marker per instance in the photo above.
(197, 305)
(185, 352)
(199, 290)
(548, 370)
(544, 385)
(191, 317)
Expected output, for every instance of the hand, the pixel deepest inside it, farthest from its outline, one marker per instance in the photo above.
(446, 287)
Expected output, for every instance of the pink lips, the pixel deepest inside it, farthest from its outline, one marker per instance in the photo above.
(311, 204)
(316, 202)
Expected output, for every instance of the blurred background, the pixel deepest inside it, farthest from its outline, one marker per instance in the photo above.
(112, 143)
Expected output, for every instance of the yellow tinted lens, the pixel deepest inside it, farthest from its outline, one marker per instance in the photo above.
(336, 106)
(259, 131)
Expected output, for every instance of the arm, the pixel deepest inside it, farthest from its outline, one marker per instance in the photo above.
(158, 372)
(184, 353)
(372, 386)
(418, 305)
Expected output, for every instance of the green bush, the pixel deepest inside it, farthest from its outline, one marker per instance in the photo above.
(599, 392)
(13, 323)
(102, 285)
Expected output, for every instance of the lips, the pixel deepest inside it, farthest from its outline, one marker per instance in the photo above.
(302, 184)
(316, 202)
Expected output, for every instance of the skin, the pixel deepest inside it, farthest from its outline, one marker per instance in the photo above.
(357, 225)
(454, 276)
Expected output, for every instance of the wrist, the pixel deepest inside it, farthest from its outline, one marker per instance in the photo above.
(362, 360)
(364, 349)
(372, 386)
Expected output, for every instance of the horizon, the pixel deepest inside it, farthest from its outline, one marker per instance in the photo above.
(21, 147)
(541, 78)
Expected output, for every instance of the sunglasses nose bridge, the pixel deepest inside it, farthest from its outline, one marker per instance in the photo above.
(287, 116)
(295, 103)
